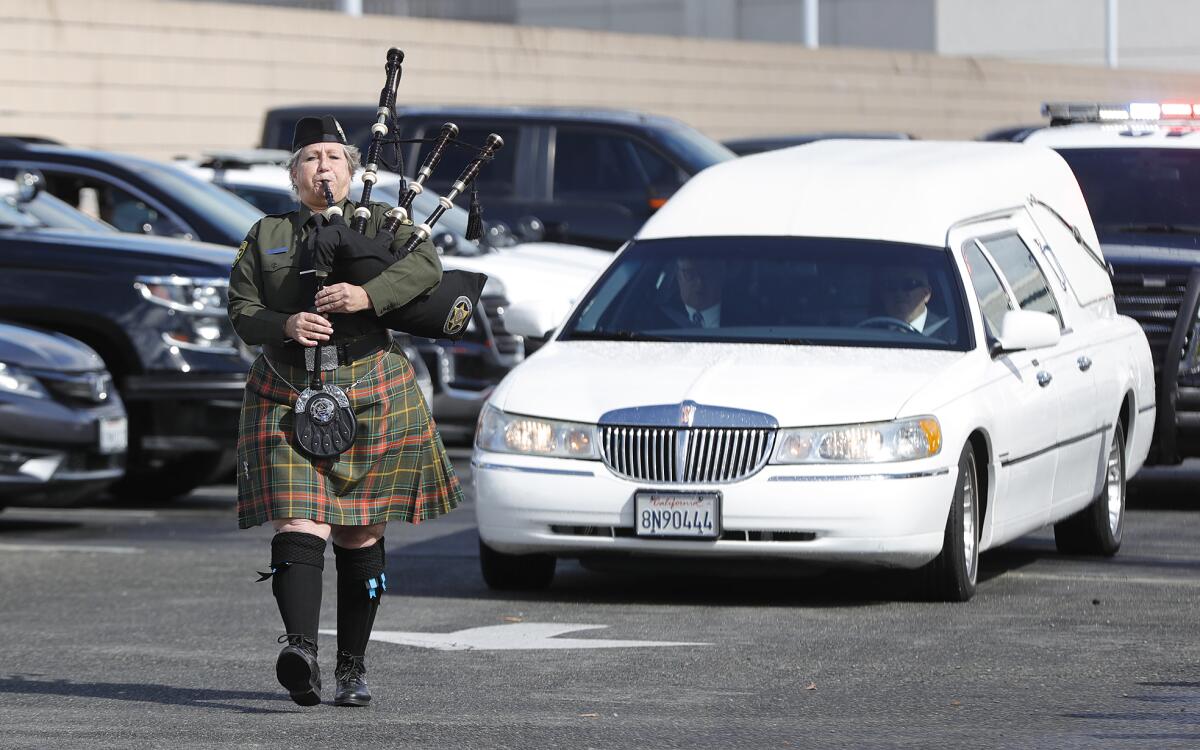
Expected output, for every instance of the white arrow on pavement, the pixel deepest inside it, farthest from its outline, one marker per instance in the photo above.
(516, 636)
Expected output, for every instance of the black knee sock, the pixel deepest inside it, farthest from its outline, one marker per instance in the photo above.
(361, 582)
(297, 562)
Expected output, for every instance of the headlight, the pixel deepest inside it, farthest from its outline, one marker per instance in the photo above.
(15, 380)
(512, 433)
(200, 310)
(878, 442)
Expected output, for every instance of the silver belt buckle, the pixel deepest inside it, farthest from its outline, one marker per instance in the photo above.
(329, 358)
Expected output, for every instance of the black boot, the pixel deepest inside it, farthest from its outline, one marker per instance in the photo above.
(298, 671)
(361, 582)
(352, 687)
(297, 561)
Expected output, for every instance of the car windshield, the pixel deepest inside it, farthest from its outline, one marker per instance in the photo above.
(1139, 189)
(693, 149)
(232, 215)
(781, 290)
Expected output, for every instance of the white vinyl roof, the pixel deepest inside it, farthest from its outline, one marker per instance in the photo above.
(1118, 135)
(901, 191)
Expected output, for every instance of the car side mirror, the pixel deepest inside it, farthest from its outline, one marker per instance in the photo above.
(1026, 329)
(535, 319)
(29, 185)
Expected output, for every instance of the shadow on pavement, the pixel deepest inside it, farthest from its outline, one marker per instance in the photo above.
(28, 525)
(1166, 487)
(142, 693)
(448, 567)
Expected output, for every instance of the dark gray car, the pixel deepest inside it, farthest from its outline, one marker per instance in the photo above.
(63, 432)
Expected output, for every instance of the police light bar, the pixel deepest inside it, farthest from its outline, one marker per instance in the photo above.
(1063, 112)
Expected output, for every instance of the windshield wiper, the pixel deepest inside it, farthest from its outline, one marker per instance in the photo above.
(616, 336)
(1153, 228)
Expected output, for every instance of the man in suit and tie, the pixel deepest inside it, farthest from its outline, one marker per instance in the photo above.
(905, 292)
(700, 291)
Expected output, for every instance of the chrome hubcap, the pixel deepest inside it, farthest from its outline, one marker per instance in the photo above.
(968, 523)
(1116, 488)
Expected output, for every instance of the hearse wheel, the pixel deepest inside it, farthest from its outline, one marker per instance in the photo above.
(1097, 529)
(951, 577)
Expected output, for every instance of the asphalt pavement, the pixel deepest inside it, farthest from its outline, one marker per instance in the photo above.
(131, 626)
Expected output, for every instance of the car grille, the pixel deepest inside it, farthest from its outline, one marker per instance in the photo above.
(1155, 306)
(685, 455)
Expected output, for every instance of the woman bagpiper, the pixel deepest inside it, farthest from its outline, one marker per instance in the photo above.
(395, 468)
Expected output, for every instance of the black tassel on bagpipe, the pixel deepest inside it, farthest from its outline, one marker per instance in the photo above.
(475, 216)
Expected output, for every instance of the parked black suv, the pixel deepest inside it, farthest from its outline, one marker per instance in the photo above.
(63, 432)
(132, 194)
(589, 176)
(154, 309)
(1139, 168)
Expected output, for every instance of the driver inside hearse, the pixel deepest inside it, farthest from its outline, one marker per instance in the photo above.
(904, 293)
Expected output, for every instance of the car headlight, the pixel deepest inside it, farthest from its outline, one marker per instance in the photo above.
(199, 307)
(15, 380)
(513, 433)
(876, 442)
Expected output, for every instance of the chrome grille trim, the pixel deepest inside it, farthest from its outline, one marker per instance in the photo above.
(1155, 305)
(711, 455)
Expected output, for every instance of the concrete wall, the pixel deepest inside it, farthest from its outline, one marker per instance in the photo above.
(162, 78)
(1153, 34)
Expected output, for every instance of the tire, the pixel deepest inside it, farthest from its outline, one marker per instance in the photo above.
(515, 572)
(953, 574)
(1097, 529)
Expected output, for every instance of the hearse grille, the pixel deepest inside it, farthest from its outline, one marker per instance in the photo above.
(677, 455)
(1153, 300)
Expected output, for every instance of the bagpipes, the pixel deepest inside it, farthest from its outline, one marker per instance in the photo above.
(444, 311)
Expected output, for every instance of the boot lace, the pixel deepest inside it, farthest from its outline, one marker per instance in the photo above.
(349, 668)
(298, 640)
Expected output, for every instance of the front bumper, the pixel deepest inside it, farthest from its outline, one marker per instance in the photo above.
(50, 452)
(892, 516)
(179, 413)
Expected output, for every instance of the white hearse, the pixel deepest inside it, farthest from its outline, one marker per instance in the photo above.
(899, 353)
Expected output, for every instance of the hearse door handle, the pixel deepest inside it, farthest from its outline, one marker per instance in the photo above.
(1044, 378)
(1085, 363)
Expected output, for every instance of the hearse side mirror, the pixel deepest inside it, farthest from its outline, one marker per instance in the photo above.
(29, 185)
(535, 319)
(1026, 329)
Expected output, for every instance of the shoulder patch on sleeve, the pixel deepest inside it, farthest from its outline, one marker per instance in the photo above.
(240, 251)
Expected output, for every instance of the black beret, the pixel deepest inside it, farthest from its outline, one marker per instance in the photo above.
(310, 130)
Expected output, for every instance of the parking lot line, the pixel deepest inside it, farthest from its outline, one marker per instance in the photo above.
(87, 548)
(1105, 579)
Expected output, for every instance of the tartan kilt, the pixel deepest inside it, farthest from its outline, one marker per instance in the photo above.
(396, 470)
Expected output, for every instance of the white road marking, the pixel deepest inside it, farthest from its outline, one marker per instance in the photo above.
(68, 548)
(1105, 579)
(513, 637)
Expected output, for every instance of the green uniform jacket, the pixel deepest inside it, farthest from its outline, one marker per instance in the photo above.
(266, 288)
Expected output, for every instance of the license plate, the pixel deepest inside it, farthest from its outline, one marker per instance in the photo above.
(114, 435)
(678, 514)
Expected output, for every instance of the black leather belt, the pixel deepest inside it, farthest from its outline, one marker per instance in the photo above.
(346, 352)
